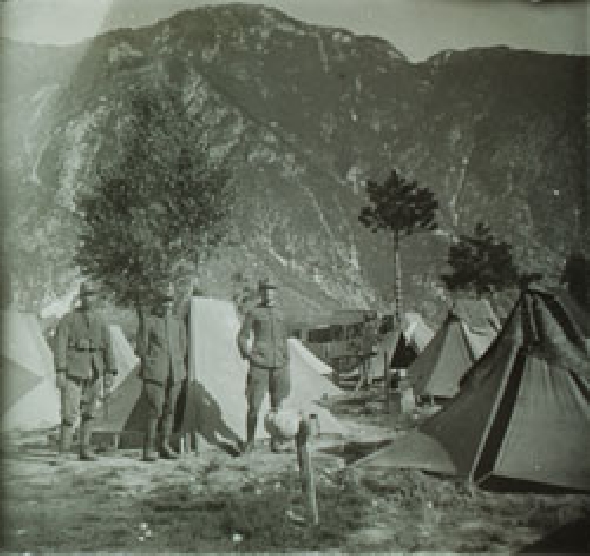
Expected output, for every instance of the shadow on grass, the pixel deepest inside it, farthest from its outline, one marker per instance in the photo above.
(353, 451)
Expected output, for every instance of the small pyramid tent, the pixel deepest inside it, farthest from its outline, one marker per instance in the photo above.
(523, 413)
(213, 400)
(416, 331)
(463, 338)
(402, 348)
(29, 397)
(439, 368)
(479, 322)
(415, 337)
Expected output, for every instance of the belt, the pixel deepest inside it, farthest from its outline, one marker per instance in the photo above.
(89, 350)
(81, 381)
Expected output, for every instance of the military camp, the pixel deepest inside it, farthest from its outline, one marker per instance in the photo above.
(294, 277)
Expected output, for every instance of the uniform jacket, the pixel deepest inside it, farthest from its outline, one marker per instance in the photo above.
(269, 344)
(162, 348)
(369, 337)
(82, 345)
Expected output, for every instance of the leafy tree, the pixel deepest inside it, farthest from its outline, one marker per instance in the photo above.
(399, 206)
(159, 206)
(482, 263)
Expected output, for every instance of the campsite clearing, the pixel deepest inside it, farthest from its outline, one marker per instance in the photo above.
(215, 502)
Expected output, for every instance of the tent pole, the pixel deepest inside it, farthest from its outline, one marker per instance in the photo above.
(386, 380)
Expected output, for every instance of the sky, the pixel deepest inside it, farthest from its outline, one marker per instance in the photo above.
(419, 28)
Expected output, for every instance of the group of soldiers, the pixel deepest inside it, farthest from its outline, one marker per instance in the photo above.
(85, 365)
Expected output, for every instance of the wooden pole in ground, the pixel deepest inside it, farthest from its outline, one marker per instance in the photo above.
(386, 380)
(303, 441)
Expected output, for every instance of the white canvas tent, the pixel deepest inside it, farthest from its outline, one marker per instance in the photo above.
(30, 399)
(213, 400)
(125, 358)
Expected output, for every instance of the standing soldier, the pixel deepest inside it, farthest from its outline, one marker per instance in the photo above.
(83, 353)
(268, 357)
(368, 341)
(162, 349)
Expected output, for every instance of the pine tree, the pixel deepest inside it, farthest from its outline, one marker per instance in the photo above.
(399, 206)
(481, 263)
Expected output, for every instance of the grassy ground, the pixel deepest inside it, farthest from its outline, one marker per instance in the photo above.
(217, 503)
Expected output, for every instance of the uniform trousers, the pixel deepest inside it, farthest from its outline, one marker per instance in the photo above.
(161, 398)
(79, 396)
(276, 381)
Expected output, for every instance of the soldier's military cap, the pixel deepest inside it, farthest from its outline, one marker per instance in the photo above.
(266, 284)
(88, 288)
(166, 291)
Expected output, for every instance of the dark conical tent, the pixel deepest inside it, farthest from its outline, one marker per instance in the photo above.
(463, 338)
(523, 413)
(213, 402)
(575, 312)
(437, 371)
(405, 353)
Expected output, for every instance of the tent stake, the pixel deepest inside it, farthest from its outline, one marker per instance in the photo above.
(303, 440)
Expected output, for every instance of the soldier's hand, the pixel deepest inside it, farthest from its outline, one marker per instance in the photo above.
(109, 382)
(60, 380)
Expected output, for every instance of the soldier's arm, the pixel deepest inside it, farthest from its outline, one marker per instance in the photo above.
(244, 335)
(183, 340)
(108, 350)
(142, 334)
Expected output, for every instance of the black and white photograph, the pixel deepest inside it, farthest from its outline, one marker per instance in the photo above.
(295, 276)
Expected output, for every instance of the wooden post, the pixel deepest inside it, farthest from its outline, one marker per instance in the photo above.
(303, 440)
(386, 381)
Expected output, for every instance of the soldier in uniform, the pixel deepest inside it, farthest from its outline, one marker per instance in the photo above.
(83, 354)
(367, 351)
(268, 358)
(162, 348)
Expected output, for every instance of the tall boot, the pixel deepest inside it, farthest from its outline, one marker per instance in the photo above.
(149, 445)
(165, 450)
(65, 438)
(251, 422)
(86, 453)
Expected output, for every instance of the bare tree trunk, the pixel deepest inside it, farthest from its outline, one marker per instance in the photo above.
(397, 284)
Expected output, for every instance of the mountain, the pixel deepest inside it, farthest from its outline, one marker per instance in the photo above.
(303, 116)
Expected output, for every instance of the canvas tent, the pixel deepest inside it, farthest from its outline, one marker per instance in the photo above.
(213, 401)
(416, 331)
(301, 356)
(125, 359)
(523, 412)
(416, 335)
(462, 339)
(29, 397)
